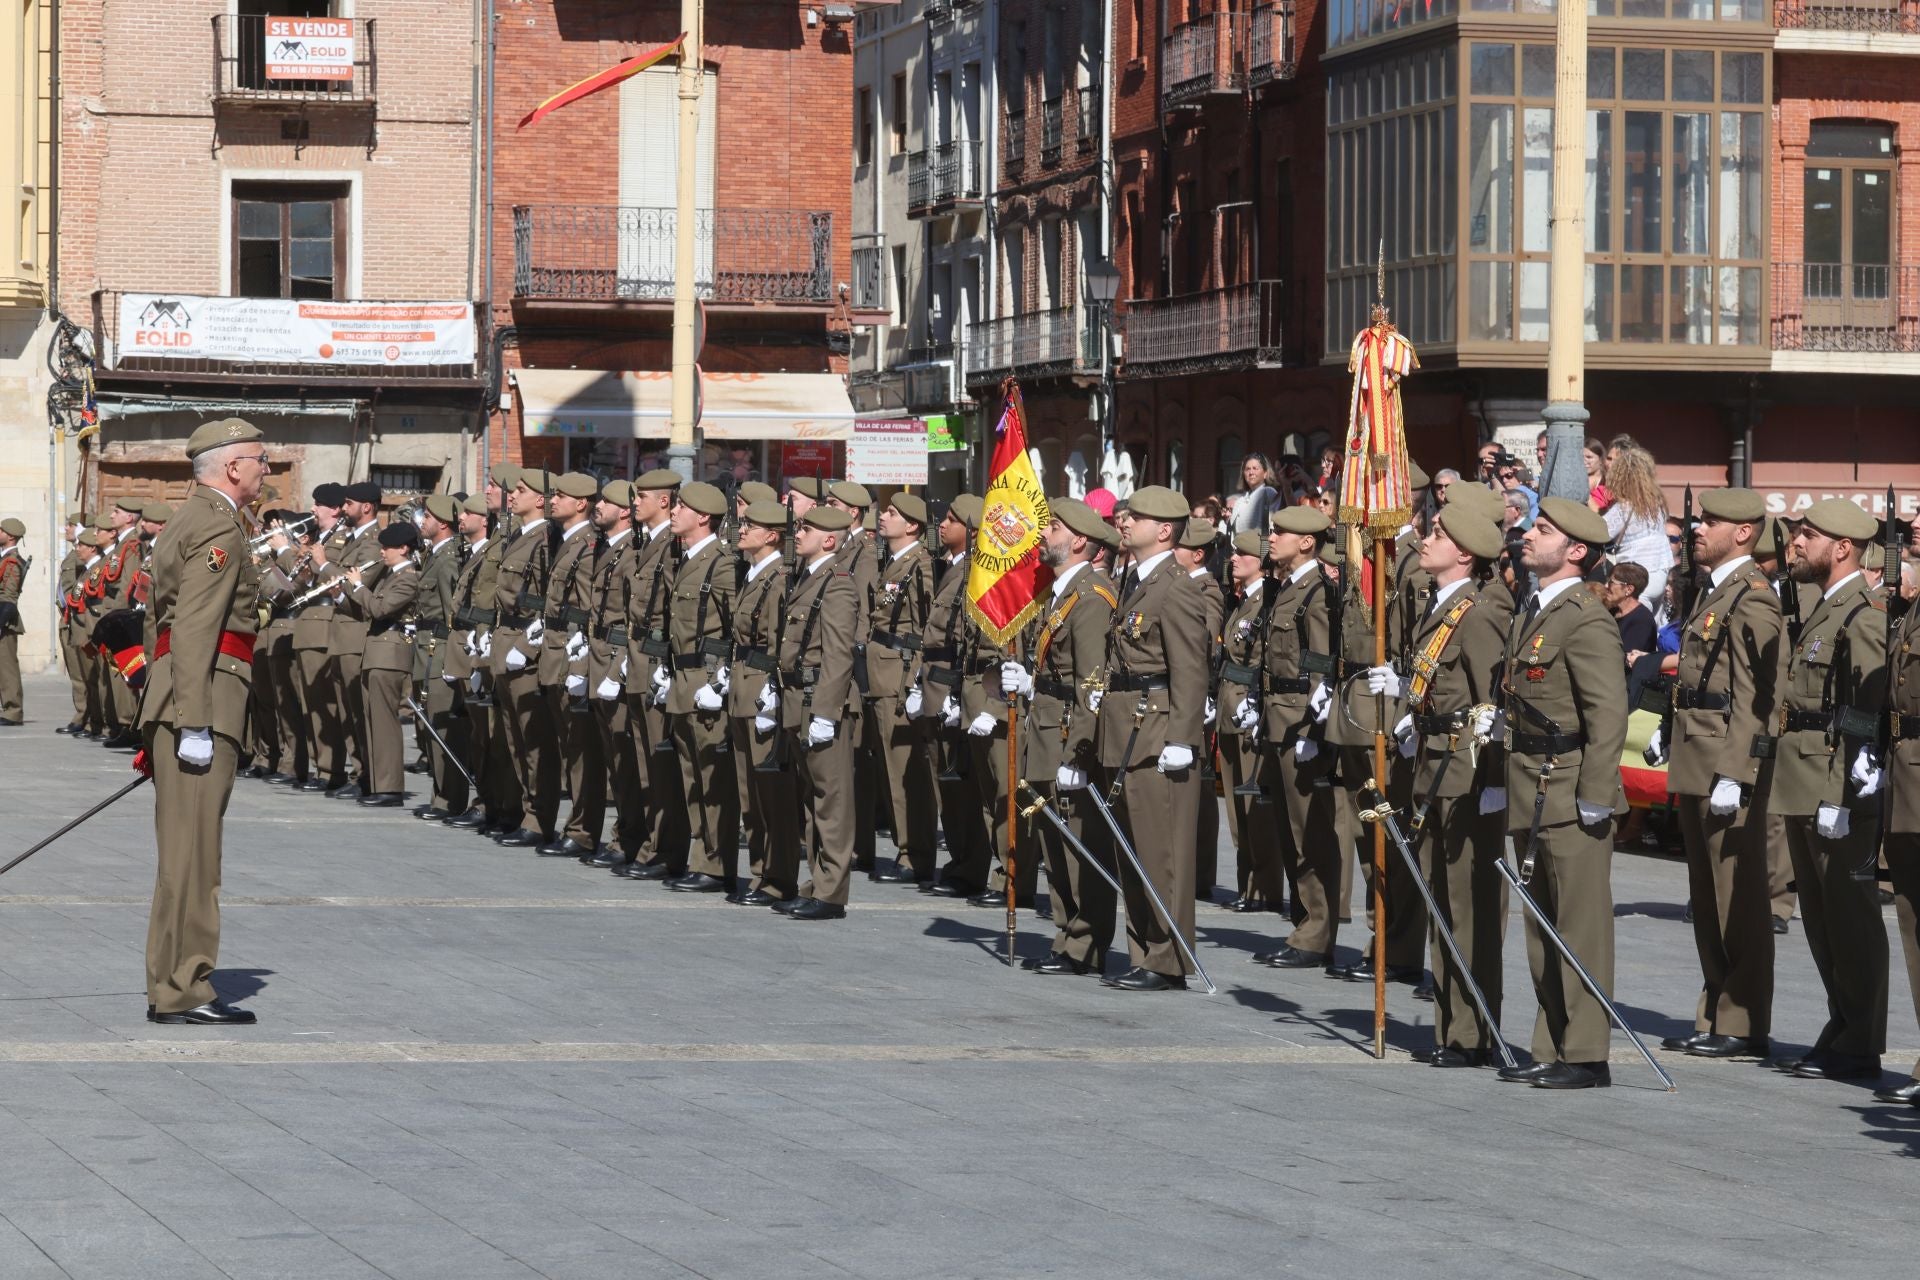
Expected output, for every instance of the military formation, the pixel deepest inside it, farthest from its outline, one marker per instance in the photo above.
(654, 676)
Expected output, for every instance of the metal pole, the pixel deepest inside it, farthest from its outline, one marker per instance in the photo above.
(1566, 412)
(1380, 546)
(1128, 852)
(683, 443)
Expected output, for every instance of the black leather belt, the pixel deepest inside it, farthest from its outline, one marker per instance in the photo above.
(940, 653)
(689, 661)
(1429, 725)
(1544, 744)
(1904, 726)
(756, 658)
(656, 647)
(1293, 684)
(901, 644)
(438, 630)
(515, 621)
(616, 634)
(980, 666)
(1697, 700)
(1053, 688)
(1800, 721)
(1234, 673)
(800, 677)
(382, 626)
(470, 617)
(1128, 683)
(945, 677)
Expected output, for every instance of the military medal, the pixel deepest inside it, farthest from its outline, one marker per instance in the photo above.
(1134, 625)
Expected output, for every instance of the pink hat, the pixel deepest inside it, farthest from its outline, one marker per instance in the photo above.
(1102, 501)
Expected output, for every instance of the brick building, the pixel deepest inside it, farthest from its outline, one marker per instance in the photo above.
(267, 209)
(583, 212)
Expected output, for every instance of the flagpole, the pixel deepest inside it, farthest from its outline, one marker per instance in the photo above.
(1013, 824)
(683, 440)
(1379, 828)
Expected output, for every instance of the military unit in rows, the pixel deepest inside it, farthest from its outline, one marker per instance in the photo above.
(651, 676)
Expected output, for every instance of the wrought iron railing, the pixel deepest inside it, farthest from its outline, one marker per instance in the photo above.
(939, 12)
(947, 173)
(1016, 139)
(870, 272)
(606, 253)
(1235, 326)
(1034, 343)
(1841, 306)
(1207, 55)
(928, 373)
(1892, 16)
(919, 181)
(1087, 118)
(1271, 50)
(1052, 127)
(241, 57)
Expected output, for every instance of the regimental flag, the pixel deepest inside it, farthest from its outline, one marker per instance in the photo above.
(1376, 487)
(1007, 580)
(604, 80)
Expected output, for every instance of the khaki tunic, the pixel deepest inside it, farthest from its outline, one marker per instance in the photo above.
(568, 612)
(819, 620)
(1297, 644)
(1258, 872)
(896, 626)
(13, 574)
(526, 718)
(649, 597)
(769, 805)
(606, 655)
(700, 631)
(386, 667)
(939, 675)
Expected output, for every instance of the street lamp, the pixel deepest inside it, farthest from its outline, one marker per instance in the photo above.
(1103, 286)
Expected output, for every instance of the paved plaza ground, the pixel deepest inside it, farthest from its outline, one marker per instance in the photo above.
(476, 1063)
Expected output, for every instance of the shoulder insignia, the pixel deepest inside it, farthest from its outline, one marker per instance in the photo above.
(1113, 601)
(216, 559)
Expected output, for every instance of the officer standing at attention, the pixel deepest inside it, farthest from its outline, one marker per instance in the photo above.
(663, 852)
(1152, 730)
(938, 681)
(897, 626)
(606, 667)
(700, 632)
(439, 573)
(386, 662)
(565, 614)
(1259, 883)
(13, 573)
(768, 804)
(519, 598)
(194, 715)
(1566, 717)
(347, 635)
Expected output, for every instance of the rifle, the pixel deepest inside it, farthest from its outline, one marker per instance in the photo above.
(1689, 581)
(1883, 730)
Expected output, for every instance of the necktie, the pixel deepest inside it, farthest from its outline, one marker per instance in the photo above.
(1128, 583)
(1533, 610)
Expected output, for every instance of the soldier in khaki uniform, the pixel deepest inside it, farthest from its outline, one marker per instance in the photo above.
(769, 804)
(13, 575)
(938, 681)
(606, 672)
(1058, 747)
(202, 622)
(71, 567)
(1725, 698)
(118, 575)
(496, 810)
(77, 631)
(819, 620)
(386, 664)
(567, 612)
(1194, 549)
(1259, 881)
(649, 598)
(312, 624)
(1566, 703)
(983, 712)
(896, 631)
(1901, 780)
(526, 717)
(859, 557)
(1833, 692)
(439, 574)
(347, 635)
(700, 635)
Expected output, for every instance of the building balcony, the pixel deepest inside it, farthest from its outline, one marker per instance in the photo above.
(1852, 26)
(1233, 328)
(929, 381)
(1845, 317)
(1204, 57)
(613, 254)
(870, 278)
(1087, 119)
(1034, 344)
(1271, 54)
(1053, 128)
(1016, 142)
(939, 12)
(944, 177)
(253, 64)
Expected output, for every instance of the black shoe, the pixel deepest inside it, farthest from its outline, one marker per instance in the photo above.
(430, 813)
(1679, 1044)
(522, 838)
(1786, 1065)
(1526, 1072)
(419, 766)
(383, 800)
(1425, 990)
(1144, 980)
(606, 855)
(491, 829)
(471, 820)
(310, 784)
(954, 889)
(1706, 1045)
(1908, 1093)
(279, 779)
(253, 771)
(697, 882)
(1362, 971)
(787, 906)
(989, 898)
(565, 848)
(1294, 958)
(1828, 1065)
(1780, 924)
(214, 1013)
(1573, 1075)
(753, 898)
(648, 871)
(119, 742)
(1451, 1057)
(75, 727)
(892, 873)
(814, 909)
(344, 791)
(1057, 963)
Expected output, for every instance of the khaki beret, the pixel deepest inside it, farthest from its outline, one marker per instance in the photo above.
(809, 487)
(475, 505)
(1197, 536)
(1416, 475)
(1080, 518)
(1157, 502)
(618, 492)
(704, 498)
(910, 505)
(967, 508)
(1575, 519)
(1773, 537)
(13, 528)
(103, 522)
(658, 478)
(504, 474)
(1472, 494)
(752, 491)
(767, 513)
(93, 539)
(133, 506)
(157, 512)
(851, 493)
(1330, 554)
(1743, 505)
(832, 519)
(223, 431)
(1249, 543)
(1301, 520)
(1472, 532)
(1838, 518)
(442, 507)
(537, 479)
(1870, 556)
(576, 484)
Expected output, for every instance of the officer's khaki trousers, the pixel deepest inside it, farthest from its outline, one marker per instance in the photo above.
(824, 776)
(1572, 882)
(1727, 882)
(708, 784)
(1845, 933)
(183, 929)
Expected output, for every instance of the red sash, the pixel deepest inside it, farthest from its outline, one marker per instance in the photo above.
(234, 644)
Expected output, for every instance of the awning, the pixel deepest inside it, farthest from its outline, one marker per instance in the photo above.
(637, 405)
(134, 405)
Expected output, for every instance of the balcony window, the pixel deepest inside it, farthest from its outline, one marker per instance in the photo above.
(289, 241)
(1847, 235)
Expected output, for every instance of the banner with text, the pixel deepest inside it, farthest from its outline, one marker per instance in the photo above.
(888, 451)
(309, 48)
(295, 331)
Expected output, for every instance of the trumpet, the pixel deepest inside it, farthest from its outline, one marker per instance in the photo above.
(259, 541)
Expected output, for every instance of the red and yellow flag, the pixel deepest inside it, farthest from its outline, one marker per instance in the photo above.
(1376, 487)
(604, 80)
(1007, 578)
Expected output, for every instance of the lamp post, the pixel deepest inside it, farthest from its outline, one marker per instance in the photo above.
(1566, 411)
(1103, 286)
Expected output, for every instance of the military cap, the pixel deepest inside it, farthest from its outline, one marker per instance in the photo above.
(967, 508)
(752, 491)
(103, 522)
(1465, 493)
(475, 505)
(1743, 505)
(1300, 520)
(1249, 543)
(1197, 535)
(767, 513)
(704, 498)
(1871, 556)
(504, 474)
(832, 519)
(657, 479)
(364, 491)
(1838, 518)
(400, 533)
(329, 494)
(851, 493)
(84, 520)
(93, 538)
(910, 505)
(809, 487)
(1575, 519)
(1772, 538)
(1157, 502)
(1079, 517)
(618, 492)
(576, 484)
(157, 512)
(132, 506)
(1417, 476)
(223, 431)
(1330, 554)
(13, 528)
(1472, 532)
(443, 508)
(538, 479)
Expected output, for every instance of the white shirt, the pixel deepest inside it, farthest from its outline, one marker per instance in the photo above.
(1843, 582)
(1253, 588)
(1303, 570)
(1061, 583)
(761, 565)
(1147, 566)
(1441, 595)
(356, 533)
(1553, 591)
(653, 531)
(1725, 571)
(699, 546)
(820, 563)
(533, 524)
(566, 534)
(613, 539)
(1200, 572)
(133, 530)
(473, 547)
(435, 548)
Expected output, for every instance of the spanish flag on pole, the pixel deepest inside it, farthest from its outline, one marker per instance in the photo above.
(603, 80)
(1007, 578)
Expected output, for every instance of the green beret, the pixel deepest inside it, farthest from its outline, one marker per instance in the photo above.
(475, 505)
(1742, 505)
(1249, 543)
(809, 487)
(1330, 553)
(94, 539)
(1417, 477)
(854, 495)
(1838, 518)
(1301, 520)
(657, 479)
(1080, 518)
(1472, 532)
(767, 513)
(13, 528)
(537, 479)
(967, 508)
(1157, 502)
(1197, 535)
(1575, 519)
(157, 512)
(752, 491)
(442, 507)
(618, 492)
(704, 498)
(832, 519)
(504, 474)
(912, 506)
(214, 435)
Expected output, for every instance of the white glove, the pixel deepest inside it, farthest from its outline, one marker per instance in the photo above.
(535, 630)
(1409, 744)
(1866, 774)
(608, 689)
(1016, 679)
(449, 677)
(623, 671)
(1320, 703)
(1725, 798)
(707, 698)
(820, 731)
(486, 646)
(1383, 680)
(1305, 749)
(516, 660)
(1592, 815)
(769, 700)
(1174, 757)
(915, 701)
(1492, 799)
(950, 712)
(662, 683)
(1093, 699)
(1656, 745)
(723, 679)
(1069, 777)
(1213, 712)
(471, 644)
(195, 748)
(1832, 822)
(576, 686)
(576, 647)
(1487, 724)
(981, 725)
(1246, 716)
(763, 724)
(473, 682)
